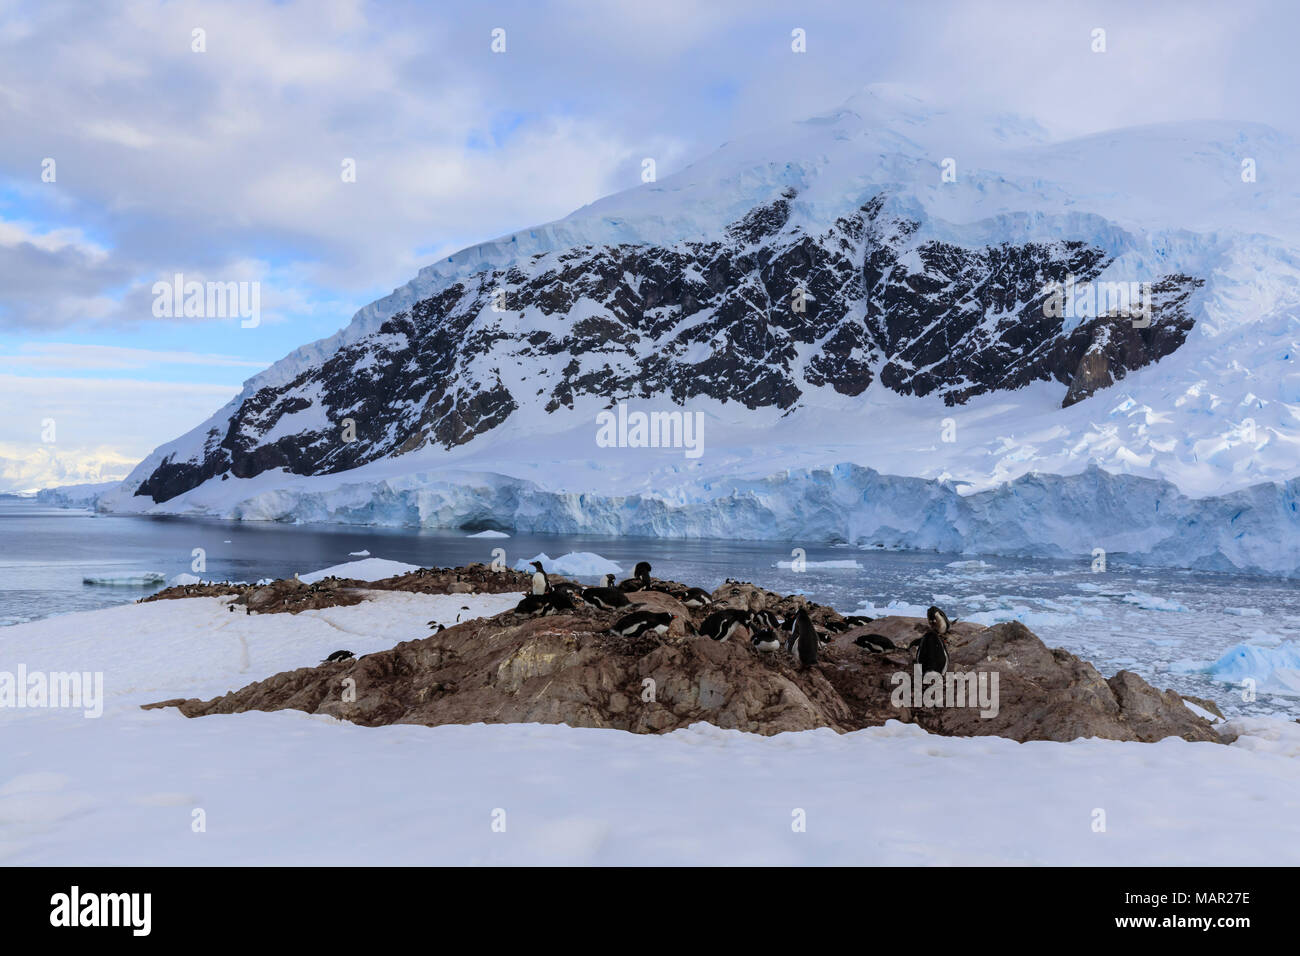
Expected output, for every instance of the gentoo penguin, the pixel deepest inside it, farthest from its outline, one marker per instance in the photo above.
(803, 639)
(553, 602)
(606, 598)
(540, 584)
(640, 579)
(557, 601)
(697, 597)
(639, 622)
(931, 652)
(874, 643)
(766, 620)
(533, 605)
(337, 656)
(766, 641)
(721, 625)
(938, 620)
(857, 620)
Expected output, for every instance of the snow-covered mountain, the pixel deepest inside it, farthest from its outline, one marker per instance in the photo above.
(879, 291)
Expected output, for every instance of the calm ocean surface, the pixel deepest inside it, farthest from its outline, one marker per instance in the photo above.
(1160, 623)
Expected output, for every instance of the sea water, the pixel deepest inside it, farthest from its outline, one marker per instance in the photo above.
(1200, 633)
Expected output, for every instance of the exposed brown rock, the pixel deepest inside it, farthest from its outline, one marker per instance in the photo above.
(1205, 704)
(291, 595)
(569, 669)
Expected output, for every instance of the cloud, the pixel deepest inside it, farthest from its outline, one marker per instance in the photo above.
(226, 164)
(76, 356)
(128, 417)
(25, 468)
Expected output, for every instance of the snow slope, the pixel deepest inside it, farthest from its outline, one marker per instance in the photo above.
(123, 789)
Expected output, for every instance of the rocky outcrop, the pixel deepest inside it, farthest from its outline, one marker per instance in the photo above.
(569, 669)
(756, 317)
(289, 595)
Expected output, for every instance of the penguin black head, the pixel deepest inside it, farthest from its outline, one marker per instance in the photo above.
(938, 620)
(609, 580)
(642, 570)
(537, 565)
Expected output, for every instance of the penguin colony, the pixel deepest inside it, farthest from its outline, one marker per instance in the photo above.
(768, 634)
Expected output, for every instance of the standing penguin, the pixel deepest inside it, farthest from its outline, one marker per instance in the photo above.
(540, 584)
(803, 639)
(931, 651)
(938, 620)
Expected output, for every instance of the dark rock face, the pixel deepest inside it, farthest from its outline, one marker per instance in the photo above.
(757, 318)
(569, 669)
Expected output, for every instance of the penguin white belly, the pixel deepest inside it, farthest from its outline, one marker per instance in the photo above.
(539, 582)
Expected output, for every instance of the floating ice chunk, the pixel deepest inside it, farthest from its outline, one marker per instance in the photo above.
(822, 565)
(1151, 602)
(1244, 611)
(899, 608)
(973, 564)
(488, 534)
(1275, 670)
(573, 564)
(358, 554)
(367, 569)
(133, 579)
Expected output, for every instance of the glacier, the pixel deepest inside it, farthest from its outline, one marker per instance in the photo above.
(1146, 521)
(1192, 461)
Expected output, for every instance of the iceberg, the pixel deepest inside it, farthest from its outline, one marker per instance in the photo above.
(367, 569)
(1274, 669)
(574, 564)
(132, 579)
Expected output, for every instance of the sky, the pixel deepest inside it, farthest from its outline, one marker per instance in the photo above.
(133, 149)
